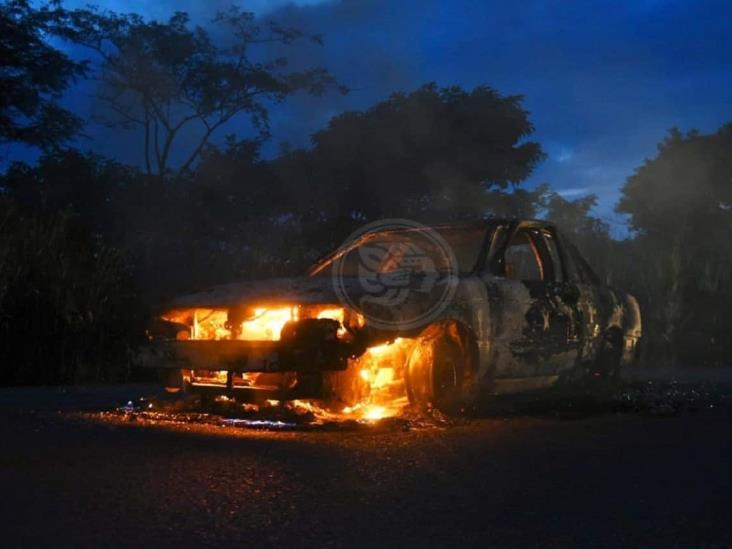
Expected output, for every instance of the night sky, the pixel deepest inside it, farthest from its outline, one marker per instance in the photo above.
(603, 80)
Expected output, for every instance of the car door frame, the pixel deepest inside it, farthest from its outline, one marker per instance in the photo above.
(520, 348)
(599, 305)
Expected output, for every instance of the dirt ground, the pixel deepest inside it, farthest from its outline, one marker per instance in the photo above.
(648, 465)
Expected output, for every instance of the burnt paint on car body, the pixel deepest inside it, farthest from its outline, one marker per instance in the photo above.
(526, 330)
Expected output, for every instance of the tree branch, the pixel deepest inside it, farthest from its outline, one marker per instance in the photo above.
(147, 143)
(157, 144)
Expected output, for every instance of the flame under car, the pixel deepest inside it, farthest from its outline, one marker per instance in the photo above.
(527, 312)
(281, 352)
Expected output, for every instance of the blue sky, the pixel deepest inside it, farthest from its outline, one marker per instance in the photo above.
(603, 80)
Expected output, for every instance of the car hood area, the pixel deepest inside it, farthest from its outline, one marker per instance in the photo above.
(304, 289)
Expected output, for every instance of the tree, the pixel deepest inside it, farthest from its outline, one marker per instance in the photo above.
(167, 78)
(436, 154)
(68, 307)
(686, 187)
(680, 205)
(590, 234)
(33, 75)
(89, 186)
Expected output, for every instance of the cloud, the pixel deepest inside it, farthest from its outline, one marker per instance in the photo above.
(581, 191)
(603, 81)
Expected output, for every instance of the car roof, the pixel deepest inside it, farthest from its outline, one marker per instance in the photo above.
(490, 222)
(482, 224)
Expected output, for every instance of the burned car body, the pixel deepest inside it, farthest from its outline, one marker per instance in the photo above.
(527, 311)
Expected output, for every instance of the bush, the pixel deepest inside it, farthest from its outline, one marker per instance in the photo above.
(68, 309)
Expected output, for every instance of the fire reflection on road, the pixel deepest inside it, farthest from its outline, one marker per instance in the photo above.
(652, 398)
(270, 416)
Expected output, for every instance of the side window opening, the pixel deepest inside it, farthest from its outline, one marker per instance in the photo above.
(586, 274)
(573, 271)
(553, 250)
(524, 259)
(531, 255)
(576, 268)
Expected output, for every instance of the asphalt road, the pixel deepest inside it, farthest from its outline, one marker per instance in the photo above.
(644, 469)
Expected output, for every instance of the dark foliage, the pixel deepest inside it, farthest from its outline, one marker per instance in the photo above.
(33, 75)
(174, 82)
(590, 234)
(430, 155)
(68, 309)
(680, 204)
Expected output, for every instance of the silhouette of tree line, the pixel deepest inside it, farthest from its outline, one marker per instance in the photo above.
(90, 246)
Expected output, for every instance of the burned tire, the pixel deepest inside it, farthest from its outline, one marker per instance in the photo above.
(172, 380)
(439, 375)
(175, 383)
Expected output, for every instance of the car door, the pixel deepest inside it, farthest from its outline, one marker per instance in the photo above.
(597, 307)
(533, 306)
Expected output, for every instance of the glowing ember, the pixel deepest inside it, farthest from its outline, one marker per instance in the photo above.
(383, 377)
(379, 349)
(263, 323)
(375, 412)
(266, 324)
(336, 313)
(381, 370)
(372, 387)
(209, 324)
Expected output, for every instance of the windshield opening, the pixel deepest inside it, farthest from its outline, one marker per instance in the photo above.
(390, 251)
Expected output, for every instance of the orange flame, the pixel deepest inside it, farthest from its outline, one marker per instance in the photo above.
(267, 323)
(378, 374)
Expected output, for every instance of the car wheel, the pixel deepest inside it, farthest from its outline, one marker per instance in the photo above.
(437, 375)
(172, 380)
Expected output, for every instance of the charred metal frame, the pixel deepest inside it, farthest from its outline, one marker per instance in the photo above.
(308, 346)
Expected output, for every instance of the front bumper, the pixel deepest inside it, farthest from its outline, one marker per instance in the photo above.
(244, 356)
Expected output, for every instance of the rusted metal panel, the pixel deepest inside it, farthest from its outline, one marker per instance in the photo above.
(521, 329)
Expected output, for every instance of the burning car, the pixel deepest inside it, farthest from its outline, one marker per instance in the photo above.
(385, 321)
